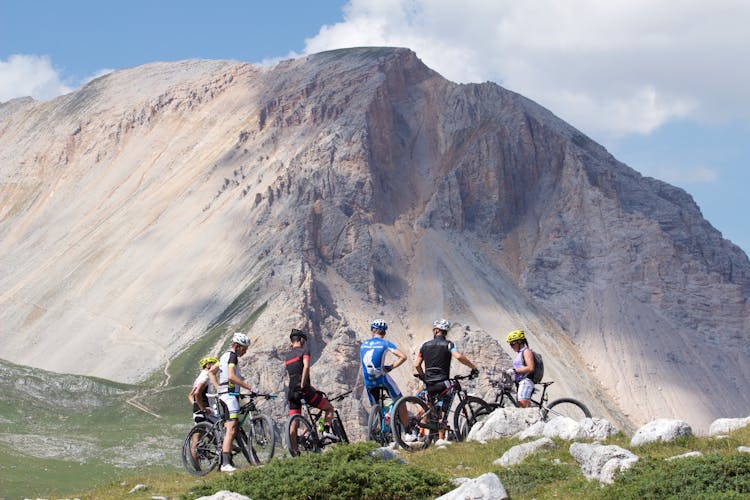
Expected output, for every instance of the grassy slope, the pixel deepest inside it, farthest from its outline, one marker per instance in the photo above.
(721, 473)
(70, 432)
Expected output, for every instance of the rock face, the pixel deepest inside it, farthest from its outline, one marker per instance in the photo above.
(161, 204)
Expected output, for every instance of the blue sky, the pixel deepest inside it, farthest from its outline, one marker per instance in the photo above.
(662, 85)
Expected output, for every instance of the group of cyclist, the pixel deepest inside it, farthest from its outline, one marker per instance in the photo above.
(432, 366)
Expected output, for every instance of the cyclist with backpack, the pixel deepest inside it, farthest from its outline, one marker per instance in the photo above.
(523, 366)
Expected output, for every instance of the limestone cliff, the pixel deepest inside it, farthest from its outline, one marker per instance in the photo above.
(160, 203)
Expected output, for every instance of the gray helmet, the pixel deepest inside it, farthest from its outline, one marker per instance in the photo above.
(441, 324)
(241, 339)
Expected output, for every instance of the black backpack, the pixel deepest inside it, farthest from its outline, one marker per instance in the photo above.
(538, 373)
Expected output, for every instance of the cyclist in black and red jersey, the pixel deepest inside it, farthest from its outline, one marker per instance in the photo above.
(298, 367)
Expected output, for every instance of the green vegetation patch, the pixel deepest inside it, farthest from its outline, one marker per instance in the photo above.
(708, 476)
(344, 472)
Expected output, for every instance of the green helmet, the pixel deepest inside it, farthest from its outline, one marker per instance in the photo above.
(208, 360)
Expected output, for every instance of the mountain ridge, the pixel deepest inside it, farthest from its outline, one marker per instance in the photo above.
(347, 185)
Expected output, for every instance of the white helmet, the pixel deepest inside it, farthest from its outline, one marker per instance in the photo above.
(441, 324)
(379, 324)
(241, 339)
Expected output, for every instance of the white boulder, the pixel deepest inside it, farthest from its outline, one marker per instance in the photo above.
(661, 429)
(518, 453)
(724, 426)
(503, 422)
(485, 487)
(601, 462)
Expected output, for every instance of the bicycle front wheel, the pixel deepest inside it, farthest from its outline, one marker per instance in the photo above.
(467, 413)
(262, 438)
(409, 434)
(201, 451)
(566, 407)
(300, 436)
(338, 429)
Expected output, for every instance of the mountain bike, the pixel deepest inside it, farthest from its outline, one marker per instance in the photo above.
(428, 416)
(379, 420)
(201, 451)
(505, 397)
(306, 437)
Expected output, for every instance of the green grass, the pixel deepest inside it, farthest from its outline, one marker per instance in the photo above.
(344, 472)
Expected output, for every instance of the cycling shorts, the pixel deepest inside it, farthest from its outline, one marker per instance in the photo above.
(384, 381)
(232, 405)
(525, 388)
(313, 397)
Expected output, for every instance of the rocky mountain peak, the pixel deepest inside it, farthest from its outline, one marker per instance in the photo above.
(160, 208)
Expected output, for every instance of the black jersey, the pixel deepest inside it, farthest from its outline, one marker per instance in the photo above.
(437, 354)
(294, 365)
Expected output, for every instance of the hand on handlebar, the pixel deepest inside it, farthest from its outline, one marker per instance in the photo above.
(474, 373)
(419, 376)
(387, 368)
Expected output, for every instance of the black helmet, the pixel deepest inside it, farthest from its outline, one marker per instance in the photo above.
(297, 333)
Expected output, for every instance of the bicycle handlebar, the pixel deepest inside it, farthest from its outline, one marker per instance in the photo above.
(341, 396)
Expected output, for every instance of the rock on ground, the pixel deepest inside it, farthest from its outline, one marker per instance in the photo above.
(485, 487)
(517, 454)
(723, 426)
(601, 462)
(661, 429)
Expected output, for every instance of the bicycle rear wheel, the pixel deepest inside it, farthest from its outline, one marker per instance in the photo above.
(565, 407)
(201, 451)
(262, 438)
(304, 439)
(467, 413)
(377, 430)
(409, 434)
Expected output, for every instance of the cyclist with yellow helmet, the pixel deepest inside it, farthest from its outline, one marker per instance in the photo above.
(197, 395)
(523, 366)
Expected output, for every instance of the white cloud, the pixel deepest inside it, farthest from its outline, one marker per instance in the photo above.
(30, 75)
(615, 67)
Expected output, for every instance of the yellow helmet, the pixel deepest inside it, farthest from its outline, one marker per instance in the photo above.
(515, 335)
(207, 361)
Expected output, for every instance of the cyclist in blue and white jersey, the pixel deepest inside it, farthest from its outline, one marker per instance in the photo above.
(372, 356)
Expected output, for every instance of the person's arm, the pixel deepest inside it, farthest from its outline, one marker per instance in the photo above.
(232, 377)
(401, 358)
(305, 371)
(463, 359)
(200, 389)
(190, 395)
(418, 365)
(212, 376)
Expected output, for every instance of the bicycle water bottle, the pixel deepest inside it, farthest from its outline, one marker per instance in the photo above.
(321, 424)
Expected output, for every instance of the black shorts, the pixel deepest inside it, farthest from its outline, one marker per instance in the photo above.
(313, 397)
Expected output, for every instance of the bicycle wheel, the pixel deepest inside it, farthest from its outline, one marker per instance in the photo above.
(410, 435)
(565, 407)
(377, 430)
(467, 413)
(262, 438)
(241, 445)
(304, 439)
(201, 451)
(338, 429)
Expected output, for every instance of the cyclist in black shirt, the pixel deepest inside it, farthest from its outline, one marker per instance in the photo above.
(298, 367)
(436, 355)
